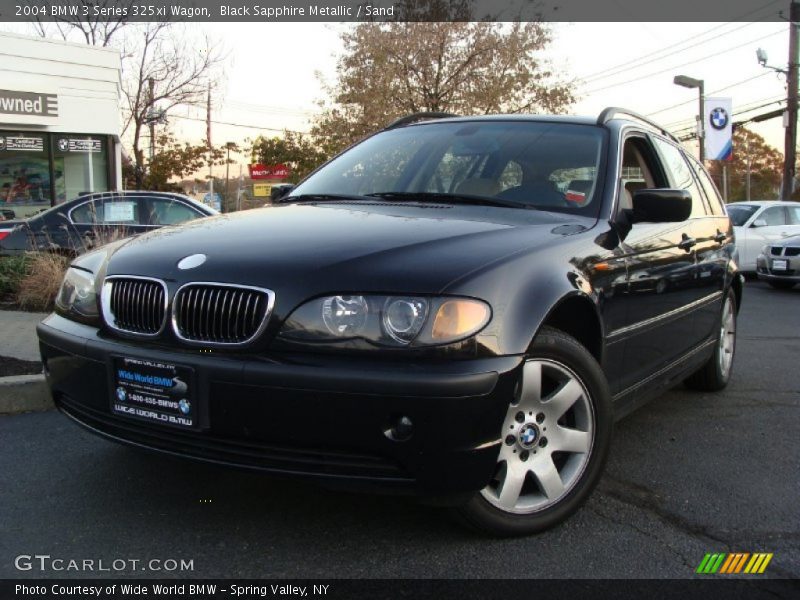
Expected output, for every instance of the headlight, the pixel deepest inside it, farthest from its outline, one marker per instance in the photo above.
(396, 321)
(77, 296)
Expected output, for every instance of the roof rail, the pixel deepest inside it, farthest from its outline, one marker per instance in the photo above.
(612, 111)
(418, 117)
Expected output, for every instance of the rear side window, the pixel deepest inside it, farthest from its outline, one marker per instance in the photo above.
(712, 194)
(680, 174)
(775, 215)
(163, 211)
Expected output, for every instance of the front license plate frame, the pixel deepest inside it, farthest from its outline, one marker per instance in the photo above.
(780, 265)
(154, 391)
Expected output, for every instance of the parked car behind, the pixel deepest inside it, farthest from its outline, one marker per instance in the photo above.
(761, 222)
(456, 308)
(779, 263)
(89, 220)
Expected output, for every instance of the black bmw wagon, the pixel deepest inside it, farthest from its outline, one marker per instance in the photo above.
(455, 308)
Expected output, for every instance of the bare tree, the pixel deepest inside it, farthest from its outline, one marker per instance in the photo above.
(394, 68)
(96, 21)
(163, 67)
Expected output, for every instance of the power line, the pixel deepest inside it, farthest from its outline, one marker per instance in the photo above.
(691, 62)
(245, 125)
(621, 67)
(629, 66)
(722, 89)
(748, 107)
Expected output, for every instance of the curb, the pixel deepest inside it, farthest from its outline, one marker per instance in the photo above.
(24, 393)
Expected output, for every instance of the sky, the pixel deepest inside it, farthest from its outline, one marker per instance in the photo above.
(273, 74)
(273, 77)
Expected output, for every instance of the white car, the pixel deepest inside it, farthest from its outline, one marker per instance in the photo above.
(760, 222)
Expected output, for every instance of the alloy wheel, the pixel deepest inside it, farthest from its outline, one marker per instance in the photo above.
(548, 435)
(727, 338)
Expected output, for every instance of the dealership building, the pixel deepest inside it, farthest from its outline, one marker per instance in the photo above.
(59, 122)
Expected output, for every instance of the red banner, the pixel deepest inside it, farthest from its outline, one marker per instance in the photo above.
(268, 171)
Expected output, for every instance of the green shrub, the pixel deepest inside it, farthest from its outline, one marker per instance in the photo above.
(12, 271)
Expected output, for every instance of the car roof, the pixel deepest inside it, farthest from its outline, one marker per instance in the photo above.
(763, 203)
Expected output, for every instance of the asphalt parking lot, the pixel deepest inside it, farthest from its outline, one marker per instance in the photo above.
(690, 473)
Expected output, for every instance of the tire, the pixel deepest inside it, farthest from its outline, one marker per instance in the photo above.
(715, 374)
(564, 389)
(781, 285)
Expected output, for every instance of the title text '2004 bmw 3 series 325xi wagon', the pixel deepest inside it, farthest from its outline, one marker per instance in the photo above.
(462, 306)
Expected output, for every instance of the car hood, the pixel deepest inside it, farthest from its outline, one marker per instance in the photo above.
(304, 250)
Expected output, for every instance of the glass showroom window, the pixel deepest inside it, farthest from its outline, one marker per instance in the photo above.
(24, 172)
(80, 165)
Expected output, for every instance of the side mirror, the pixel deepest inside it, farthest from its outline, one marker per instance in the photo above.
(759, 223)
(279, 191)
(661, 206)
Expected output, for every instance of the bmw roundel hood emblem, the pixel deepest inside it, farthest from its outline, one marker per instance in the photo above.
(191, 261)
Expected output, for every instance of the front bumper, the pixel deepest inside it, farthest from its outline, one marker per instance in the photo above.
(307, 416)
(764, 270)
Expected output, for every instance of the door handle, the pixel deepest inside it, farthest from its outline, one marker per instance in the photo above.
(720, 237)
(687, 242)
(89, 234)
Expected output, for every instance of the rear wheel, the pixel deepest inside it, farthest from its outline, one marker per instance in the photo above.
(715, 374)
(555, 439)
(781, 285)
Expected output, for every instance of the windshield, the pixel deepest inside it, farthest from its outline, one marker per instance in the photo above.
(739, 213)
(528, 164)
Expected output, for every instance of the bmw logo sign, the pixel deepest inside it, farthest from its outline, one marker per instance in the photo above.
(63, 145)
(528, 435)
(122, 395)
(184, 406)
(719, 118)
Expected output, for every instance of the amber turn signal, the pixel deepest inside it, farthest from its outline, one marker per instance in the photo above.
(458, 319)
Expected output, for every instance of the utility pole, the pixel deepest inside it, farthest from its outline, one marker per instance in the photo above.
(210, 153)
(790, 154)
(227, 171)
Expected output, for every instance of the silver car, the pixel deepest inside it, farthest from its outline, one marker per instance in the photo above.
(779, 262)
(760, 222)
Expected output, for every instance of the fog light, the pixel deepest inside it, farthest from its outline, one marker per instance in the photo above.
(400, 430)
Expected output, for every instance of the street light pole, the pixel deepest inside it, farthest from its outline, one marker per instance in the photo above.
(699, 84)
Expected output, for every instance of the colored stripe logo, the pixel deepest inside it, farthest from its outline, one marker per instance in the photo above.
(734, 563)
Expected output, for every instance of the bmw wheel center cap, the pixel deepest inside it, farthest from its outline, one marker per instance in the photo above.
(528, 435)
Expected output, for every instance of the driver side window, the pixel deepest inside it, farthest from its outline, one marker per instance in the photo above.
(638, 170)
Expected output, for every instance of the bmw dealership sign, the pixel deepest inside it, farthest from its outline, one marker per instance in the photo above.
(718, 129)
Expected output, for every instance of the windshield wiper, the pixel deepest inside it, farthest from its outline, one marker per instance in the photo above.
(451, 199)
(322, 198)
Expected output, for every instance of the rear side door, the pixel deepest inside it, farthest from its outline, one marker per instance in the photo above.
(660, 269)
(715, 246)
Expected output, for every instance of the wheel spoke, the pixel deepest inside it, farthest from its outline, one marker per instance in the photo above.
(545, 472)
(564, 398)
(512, 486)
(567, 439)
(531, 384)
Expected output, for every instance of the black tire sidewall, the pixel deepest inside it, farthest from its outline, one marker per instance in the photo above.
(559, 347)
